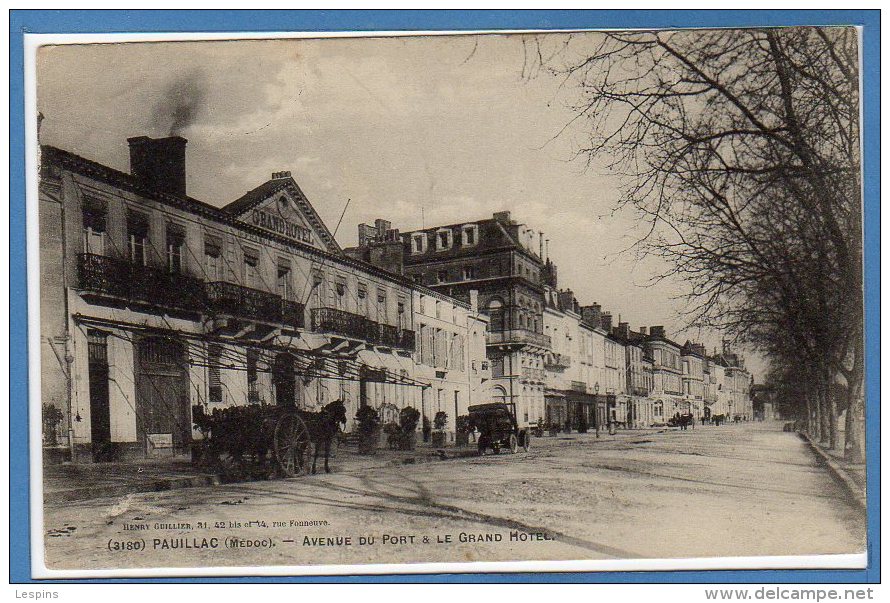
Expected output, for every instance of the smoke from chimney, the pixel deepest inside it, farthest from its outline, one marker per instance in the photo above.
(181, 103)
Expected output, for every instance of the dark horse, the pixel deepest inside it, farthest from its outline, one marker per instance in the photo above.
(323, 426)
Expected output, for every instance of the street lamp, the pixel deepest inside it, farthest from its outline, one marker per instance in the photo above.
(596, 402)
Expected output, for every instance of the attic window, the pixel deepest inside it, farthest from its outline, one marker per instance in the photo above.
(443, 239)
(282, 202)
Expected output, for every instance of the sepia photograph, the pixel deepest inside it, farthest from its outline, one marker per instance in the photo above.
(364, 303)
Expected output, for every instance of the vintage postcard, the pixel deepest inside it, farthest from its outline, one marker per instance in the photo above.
(479, 302)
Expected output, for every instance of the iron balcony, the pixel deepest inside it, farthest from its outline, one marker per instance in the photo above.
(132, 283)
(518, 337)
(356, 326)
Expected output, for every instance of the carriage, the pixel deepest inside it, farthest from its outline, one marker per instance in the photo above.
(262, 439)
(498, 428)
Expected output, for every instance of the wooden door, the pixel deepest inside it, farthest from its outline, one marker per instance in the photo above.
(100, 413)
(162, 405)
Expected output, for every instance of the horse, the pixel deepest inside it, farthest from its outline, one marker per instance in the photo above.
(323, 427)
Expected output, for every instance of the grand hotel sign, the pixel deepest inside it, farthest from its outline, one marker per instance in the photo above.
(281, 226)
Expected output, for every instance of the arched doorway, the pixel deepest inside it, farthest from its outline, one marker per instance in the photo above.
(162, 402)
(499, 394)
(284, 380)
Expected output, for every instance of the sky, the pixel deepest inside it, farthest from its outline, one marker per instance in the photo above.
(418, 130)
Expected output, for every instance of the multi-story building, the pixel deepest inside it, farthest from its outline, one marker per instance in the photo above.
(573, 367)
(154, 303)
(499, 258)
(710, 387)
(450, 356)
(692, 357)
(736, 385)
(638, 376)
(667, 374)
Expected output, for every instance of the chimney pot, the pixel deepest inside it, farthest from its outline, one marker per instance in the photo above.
(159, 162)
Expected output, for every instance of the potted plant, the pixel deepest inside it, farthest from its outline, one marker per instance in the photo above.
(393, 436)
(408, 419)
(464, 427)
(427, 429)
(368, 429)
(539, 428)
(439, 423)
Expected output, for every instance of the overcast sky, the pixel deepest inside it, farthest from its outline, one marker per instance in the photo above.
(434, 130)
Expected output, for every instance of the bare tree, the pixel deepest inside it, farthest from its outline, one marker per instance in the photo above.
(741, 150)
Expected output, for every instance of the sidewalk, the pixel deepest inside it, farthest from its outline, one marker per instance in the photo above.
(851, 475)
(73, 482)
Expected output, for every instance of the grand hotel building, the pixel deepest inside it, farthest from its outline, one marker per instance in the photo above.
(153, 302)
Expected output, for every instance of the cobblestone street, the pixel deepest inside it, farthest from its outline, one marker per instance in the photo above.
(735, 490)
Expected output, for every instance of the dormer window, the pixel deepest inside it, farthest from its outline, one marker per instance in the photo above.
(443, 239)
(469, 234)
(418, 242)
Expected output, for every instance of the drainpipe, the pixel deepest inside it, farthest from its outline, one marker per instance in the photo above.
(69, 353)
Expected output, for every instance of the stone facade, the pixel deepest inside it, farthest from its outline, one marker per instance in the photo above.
(154, 303)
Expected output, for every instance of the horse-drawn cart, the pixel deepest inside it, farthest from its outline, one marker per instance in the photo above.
(253, 440)
(498, 428)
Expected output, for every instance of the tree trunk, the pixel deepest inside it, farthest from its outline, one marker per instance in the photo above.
(825, 414)
(854, 445)
(816, 432)
(809, 425)
(834, 436)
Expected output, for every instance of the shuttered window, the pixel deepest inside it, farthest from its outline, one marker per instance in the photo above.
(214, 380)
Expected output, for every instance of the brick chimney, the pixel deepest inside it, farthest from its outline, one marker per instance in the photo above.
(592, 314)
(643, 331)
(657, 331)
(159, 162)
(624, 330)
(367, 234)
(567, 300)
(502, 216)
(606, 319)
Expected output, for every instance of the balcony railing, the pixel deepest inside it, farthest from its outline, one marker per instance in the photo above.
(293, 314)
(243, 302)
(105, 275)
(145, 284)
(356, 326)
(340, 322)
(519, 336)
(394, 337)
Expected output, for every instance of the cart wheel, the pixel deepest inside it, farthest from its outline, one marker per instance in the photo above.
(291, 444)
(481, 445)
(526, 440)
(513, 443)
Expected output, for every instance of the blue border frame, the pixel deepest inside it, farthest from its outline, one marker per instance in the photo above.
(109, 21)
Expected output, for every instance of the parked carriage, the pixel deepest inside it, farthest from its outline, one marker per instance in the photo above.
(498, 428)
(265, 440)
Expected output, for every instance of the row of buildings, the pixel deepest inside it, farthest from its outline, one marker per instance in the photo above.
(154, 303)
(559, 361)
